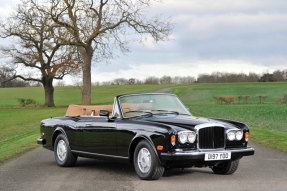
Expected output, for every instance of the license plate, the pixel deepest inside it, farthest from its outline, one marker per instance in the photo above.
(217, 156)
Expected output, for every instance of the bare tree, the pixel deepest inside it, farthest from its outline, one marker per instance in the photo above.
(6, 73)
(279, 75)
(96, 27)
(131, 81)
(120, 81)
(165, 80)
(36, 48)
(151, 80)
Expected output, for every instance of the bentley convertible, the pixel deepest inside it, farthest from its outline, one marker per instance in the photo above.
(154, 131)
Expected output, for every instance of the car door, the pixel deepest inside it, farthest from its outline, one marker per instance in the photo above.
(99, 136)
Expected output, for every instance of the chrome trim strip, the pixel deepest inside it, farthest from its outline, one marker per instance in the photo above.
(97, 154)
(204, 125)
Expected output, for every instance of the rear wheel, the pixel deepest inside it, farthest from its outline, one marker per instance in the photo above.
(226, 168)
(146, 163)
(63, 155)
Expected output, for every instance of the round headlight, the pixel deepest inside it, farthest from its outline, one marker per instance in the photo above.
(182, 138)
(231, 136)
(239, 135)
(191, 137)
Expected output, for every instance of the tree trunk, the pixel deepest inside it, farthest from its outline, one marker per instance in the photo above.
(49, 91)
(86, 54)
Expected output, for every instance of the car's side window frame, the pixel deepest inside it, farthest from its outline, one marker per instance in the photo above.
(116, 109)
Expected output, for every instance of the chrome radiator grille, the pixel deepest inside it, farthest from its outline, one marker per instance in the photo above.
(211, 138)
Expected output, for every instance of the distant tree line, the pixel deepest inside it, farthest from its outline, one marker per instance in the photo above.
(222, 77)
(215, 77)
(150, 80)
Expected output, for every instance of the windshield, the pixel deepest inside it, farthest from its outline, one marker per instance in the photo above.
(151, 104)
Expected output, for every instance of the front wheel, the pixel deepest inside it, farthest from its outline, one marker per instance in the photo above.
(226, 168)
(63, 155)
(146, 163)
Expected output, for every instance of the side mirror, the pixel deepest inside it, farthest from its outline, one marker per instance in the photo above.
(104, 113)
(107, 114)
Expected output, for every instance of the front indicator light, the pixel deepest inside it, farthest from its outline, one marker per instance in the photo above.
(247, 135)
(173, 139)
(159, 148)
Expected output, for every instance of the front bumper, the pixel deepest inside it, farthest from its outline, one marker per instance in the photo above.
(198, 155)
(41, 141)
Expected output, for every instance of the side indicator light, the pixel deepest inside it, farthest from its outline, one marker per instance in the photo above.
(159, 148)
(173, 139)
(247, 135)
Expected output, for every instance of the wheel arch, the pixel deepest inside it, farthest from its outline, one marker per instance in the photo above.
(135, 142)
(58, 131)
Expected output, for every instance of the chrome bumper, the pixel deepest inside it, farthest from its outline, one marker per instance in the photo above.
(41, 141)
(198, 155)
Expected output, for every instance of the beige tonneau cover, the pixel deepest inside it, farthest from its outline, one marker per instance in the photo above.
(82, 110)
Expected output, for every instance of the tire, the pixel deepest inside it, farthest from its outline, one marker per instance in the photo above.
(226, 167)
(63, 155)
(146, 163)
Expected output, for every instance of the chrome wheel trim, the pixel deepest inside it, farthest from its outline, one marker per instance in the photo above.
(62, 150)
(144, 160)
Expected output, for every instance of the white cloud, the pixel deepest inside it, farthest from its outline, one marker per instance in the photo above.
(209, 36)
(6, 7)
(220, 6)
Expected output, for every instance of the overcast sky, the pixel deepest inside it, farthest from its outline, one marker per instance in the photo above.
(209, 35)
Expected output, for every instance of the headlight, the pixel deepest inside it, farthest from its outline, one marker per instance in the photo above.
(234, 135)
(231, 136)
(186, 136)
(191, 137)
(239, 135)
(182, 137)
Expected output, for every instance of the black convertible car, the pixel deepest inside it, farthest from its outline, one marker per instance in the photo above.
(153, 131)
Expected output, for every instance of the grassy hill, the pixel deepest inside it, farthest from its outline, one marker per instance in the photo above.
(20, 126)
(271, 116)
(63, 96)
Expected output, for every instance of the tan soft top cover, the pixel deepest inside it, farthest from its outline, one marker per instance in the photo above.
(77, 110)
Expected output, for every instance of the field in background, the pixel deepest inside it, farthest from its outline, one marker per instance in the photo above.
(267, 121)
(63, 96)
(20, 126)
(271, 116)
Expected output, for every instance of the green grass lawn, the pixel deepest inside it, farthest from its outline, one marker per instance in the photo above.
(64, 96)
(20, 126)
(267, 121)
